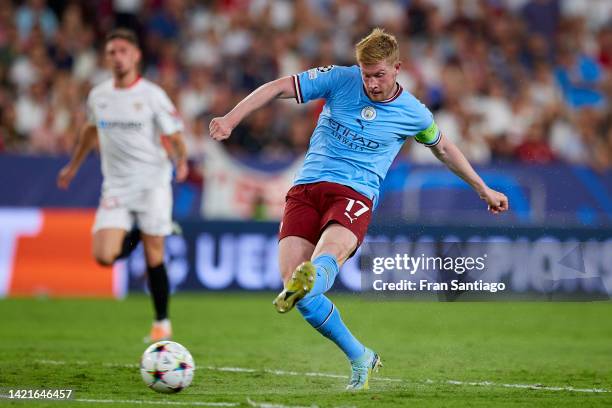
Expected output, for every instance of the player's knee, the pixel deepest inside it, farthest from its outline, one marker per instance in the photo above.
(104, 257)
(104, 261)
(154, 256)
(153, 250)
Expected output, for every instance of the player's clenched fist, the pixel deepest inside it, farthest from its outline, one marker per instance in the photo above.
(497, 202)
(220, 128)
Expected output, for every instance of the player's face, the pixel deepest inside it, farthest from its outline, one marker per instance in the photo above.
(379, 79)
(122, 56)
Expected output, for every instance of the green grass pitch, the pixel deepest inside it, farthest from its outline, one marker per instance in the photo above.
(248, 355)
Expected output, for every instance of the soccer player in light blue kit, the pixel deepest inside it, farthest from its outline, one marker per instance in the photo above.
(366, 119)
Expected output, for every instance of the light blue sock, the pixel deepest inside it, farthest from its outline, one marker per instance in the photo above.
(327, 270)
(323, 315)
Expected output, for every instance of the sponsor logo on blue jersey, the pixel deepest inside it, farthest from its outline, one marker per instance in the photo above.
(352, 139)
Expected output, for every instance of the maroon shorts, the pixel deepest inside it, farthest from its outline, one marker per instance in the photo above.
(310, 208)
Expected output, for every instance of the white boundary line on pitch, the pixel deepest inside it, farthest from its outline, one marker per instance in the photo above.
(525, 386)
(271, 405)
(132, 402)
(326, 375)
(255, 404)
(143, 402)
(293, 373)
(249, 401)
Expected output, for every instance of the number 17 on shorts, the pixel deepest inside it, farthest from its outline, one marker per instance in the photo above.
(354, 209)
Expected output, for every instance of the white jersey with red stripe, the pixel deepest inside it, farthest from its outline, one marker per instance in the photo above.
(130, 122)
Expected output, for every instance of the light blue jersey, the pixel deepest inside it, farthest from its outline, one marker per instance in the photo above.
(356, 139)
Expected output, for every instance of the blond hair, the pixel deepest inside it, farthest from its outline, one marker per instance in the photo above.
(376, 47)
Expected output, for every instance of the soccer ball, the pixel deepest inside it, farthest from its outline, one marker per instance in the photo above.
(167, 367)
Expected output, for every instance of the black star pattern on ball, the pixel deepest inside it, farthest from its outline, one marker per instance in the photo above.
(159, 348)
(182, 366)
(157, 375)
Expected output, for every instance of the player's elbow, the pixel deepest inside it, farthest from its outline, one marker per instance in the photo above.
(440, 151)
(444, 149)
(89, 129)
(89, 133)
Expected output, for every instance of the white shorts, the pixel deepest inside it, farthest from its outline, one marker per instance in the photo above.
(151, 209)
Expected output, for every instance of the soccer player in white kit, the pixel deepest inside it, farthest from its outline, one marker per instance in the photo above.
(128, 116)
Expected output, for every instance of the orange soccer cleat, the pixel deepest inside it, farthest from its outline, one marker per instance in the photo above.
(161, 330)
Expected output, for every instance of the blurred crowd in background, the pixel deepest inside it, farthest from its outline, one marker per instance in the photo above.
(507, 80)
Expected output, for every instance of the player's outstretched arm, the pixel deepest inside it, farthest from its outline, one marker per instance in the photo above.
(221, 128)
(178, 154)
(449, 154)
(86, 142)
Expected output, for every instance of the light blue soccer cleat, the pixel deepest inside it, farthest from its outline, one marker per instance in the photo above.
(362, 369)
